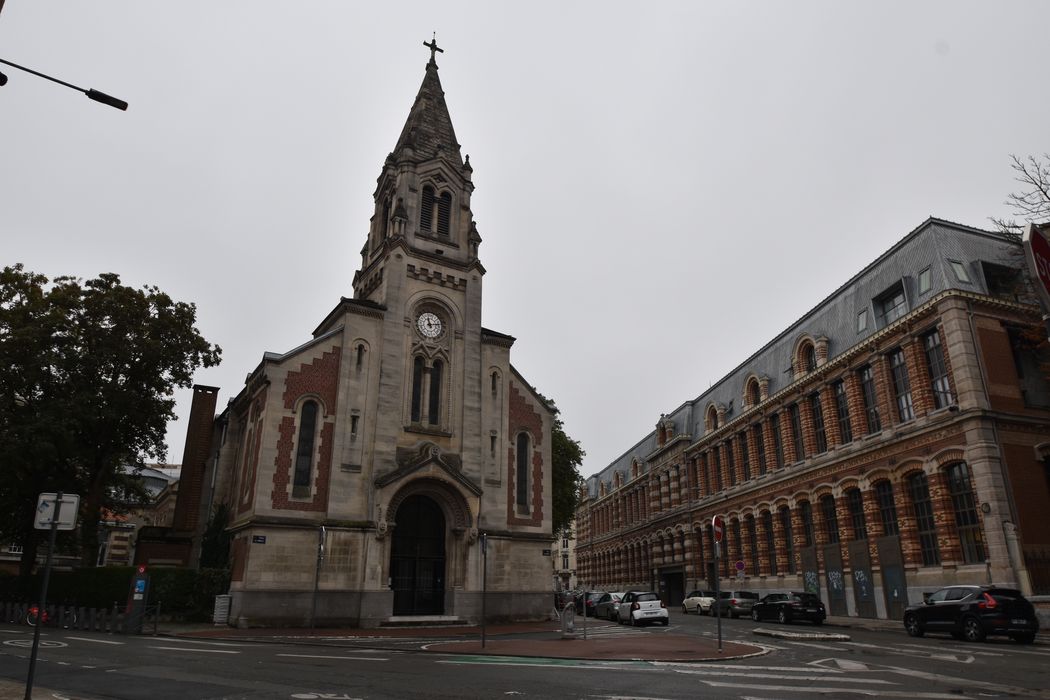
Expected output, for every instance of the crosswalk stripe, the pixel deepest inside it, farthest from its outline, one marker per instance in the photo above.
(784, 676)
(832, 689)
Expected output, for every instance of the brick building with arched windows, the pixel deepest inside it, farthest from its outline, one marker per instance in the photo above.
(894, 439)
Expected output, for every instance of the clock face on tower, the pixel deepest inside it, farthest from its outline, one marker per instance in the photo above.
(429, 325)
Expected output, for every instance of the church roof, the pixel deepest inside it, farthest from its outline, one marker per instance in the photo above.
(428, 130)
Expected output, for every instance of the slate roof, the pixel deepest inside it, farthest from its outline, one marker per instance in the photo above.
(428, 130)
(933, 244)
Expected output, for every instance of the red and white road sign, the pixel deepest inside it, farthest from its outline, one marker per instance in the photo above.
(718, 524)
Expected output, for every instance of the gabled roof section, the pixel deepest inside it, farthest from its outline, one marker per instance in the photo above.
(428, 131)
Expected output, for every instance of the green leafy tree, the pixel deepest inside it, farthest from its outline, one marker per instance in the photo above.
(86, 391)
(566, 457)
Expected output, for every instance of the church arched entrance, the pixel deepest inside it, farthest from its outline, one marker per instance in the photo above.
(417, 557)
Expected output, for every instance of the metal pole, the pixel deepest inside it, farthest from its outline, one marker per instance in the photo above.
(42, 605)
(317, 574)
(484, 582)
(718, 599)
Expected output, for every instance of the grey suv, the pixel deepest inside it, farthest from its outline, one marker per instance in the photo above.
(734, 603)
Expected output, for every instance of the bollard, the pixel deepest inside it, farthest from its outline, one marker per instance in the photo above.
(568, 622)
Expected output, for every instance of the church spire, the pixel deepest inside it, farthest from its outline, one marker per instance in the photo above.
(428, 132)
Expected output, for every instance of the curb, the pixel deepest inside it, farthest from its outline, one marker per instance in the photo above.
(781, 634)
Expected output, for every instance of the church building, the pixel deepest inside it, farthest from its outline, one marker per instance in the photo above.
(372, 472)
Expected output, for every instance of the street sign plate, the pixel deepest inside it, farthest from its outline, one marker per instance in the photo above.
(739, 565)
(67, 514)
(718, 525)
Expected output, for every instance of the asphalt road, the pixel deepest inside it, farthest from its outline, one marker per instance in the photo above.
(889, 664)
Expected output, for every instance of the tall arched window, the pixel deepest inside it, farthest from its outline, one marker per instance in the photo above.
(831, 519)
(521, 475)
(771, 546)
(417, 389)
(808, 358)
(434, 413)
(789, 538)
(304, 452)
(919, 489)
(754, 396)
(806, 511)
(967, 522)
(887, 508)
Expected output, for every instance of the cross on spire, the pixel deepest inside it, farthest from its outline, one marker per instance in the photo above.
(434, 50)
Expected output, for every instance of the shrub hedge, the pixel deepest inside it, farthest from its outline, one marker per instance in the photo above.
(184, 593)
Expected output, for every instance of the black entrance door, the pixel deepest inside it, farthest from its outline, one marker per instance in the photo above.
(417, 559)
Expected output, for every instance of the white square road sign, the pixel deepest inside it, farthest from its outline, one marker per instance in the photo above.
(67, 514)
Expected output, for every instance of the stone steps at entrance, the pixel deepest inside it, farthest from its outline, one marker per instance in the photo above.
(424, 621)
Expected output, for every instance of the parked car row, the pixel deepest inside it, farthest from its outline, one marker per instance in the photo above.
(969, 612)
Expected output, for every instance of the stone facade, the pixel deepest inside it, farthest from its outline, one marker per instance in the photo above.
(904, 449)
(398, 434)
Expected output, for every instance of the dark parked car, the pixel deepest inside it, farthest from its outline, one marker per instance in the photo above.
(587, 601)
(973, 612)
(787, 607)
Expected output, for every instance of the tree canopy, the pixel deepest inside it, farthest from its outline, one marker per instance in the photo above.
(86, 391)
(566, 457)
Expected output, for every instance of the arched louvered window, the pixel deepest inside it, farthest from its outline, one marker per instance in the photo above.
(808, 357)
(444, 213)
(434, 413)
(304, 452)
(426, 210)
(417, 389)
(521, 475)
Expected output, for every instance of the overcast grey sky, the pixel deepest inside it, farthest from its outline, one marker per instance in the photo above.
(661, 187)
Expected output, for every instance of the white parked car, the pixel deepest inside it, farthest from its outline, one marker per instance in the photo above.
(698, 602)
(642, 608)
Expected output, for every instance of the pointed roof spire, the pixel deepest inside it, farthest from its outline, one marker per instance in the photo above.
(428, 130)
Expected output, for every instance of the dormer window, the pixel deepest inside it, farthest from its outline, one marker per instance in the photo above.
(960, 271)
(891, 305)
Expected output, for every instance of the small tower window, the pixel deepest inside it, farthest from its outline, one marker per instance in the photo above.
(426, 210)
(417, 389)
(435, 393)
(444, 213)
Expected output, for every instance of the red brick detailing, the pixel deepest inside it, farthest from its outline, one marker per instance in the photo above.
(524, 417)
(252, 445)
(280, 497)
(320, 377)
(239, 556)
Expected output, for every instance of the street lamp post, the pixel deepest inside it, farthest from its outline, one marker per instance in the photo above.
(90, 92)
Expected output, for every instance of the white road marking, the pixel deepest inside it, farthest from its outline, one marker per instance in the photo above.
(96, 641)
(784, 677)
(204, 642)
(814, 645)
(341, 658)
(831, 689)
(203, 651)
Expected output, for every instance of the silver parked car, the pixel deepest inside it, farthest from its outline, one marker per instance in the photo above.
(607, 605)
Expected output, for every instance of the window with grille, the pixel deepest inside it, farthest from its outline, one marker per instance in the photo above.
(789, 539)
(745, 457)
(752, 542)
(942, 390)
(304, 452)
(831, 519)
(716, 455)
(771, 549)
(919, 489)
(806, 511)
(967, 522)
(738, 543)
(887, 508)
(901, 385)
(730, 462)
(855, 503)
(819, 431)
(760, 446)
(778, 443)
(796, 431)
(842, 410)
(871, 404)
